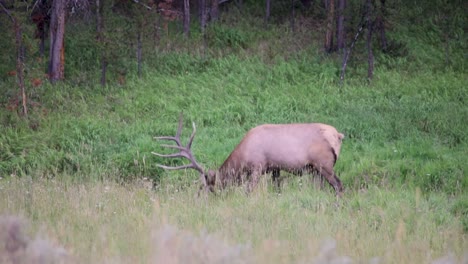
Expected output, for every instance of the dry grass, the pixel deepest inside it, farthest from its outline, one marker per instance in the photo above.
(17, 247)
(110, 223)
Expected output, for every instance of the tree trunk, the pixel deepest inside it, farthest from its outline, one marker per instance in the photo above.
(267, 11)
(57, 47)
(20, 64)
(203, 22)
(381, 26)
(139, 51)
(214, 14)
(100, 39)
(186, 18)
(347, 51)
(293, 17)
(330, 5)
(340, 29)
(202, 10)
(370, 54)
(307, 3)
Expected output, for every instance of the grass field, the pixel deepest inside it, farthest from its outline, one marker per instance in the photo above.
(78, 183)
(77, 178)
(105, 222)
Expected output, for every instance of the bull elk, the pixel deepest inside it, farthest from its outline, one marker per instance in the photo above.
(295, 148)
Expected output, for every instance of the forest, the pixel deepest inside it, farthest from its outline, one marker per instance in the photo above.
(87, 85)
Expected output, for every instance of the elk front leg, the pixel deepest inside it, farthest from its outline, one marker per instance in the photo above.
(333, 180)
(254, 179)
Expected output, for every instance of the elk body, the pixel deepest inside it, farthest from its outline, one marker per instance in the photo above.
(295, 148)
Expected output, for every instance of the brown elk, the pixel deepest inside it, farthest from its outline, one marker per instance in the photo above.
(295, 148)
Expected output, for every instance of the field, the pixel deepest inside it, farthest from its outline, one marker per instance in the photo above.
(78, 183)
(105, 222)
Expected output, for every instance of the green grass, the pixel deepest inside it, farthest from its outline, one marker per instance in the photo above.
(402, 130)
(77, 170)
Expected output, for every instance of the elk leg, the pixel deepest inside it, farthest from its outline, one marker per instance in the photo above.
(332, 180)
(254, 178)
(275, 176)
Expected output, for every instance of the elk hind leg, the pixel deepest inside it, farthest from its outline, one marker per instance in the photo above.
(275, 176)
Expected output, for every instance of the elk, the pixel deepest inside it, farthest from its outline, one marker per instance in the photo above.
(269, 148)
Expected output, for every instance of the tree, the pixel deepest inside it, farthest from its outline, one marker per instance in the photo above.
(214, 12)
(57, 47)
(19, 43)
(380, 25)
(370, 54)
(293, 16)
(267, 11)
(100, 39)
(330, 7)
(340, 28)
(40, 18)
(186, 18)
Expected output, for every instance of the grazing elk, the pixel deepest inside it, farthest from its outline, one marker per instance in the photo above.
(295, 148)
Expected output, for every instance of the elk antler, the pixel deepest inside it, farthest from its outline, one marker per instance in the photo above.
(184, 152)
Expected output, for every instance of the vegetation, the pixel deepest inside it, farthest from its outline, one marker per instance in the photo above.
(78, 168)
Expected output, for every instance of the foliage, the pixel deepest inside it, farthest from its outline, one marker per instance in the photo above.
(407, 128)
(223, 37)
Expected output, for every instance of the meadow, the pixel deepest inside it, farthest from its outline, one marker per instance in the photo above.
(78, 183)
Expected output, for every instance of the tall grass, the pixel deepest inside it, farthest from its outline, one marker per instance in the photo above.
(113, 223)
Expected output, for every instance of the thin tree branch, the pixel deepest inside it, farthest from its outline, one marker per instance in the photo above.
(143, 4)
(7, 11)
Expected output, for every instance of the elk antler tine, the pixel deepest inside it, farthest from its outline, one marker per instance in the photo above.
(187, 166)
(165, 138)
(175, 155)
(189, 144)
(174, 147)
(179, 128)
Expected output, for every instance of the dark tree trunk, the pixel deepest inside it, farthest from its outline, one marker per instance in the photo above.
(202, 11)
(203, 22)
(186, 18)
(330, 5)
(57, 47)
(100, 39)
(201, 6)
(370, 54)
(381, 25)
(340, 28)
(267, 11)
(157, 30)
(139, 51)
(20, 64)
(214, 13)
(307, 3)
(293, 17)
(39, 17)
